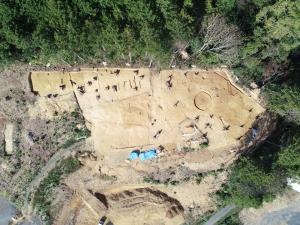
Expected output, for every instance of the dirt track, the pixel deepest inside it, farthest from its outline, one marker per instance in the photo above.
(62, 153)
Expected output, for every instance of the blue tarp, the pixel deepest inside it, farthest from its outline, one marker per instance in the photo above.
(134, 154)
(145, 155)
(253, 134)
(150, 154)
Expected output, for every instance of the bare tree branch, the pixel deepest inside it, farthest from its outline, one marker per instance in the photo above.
(220, 38)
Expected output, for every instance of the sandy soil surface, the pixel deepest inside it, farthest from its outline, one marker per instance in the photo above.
(175, 111)
(284, 210)
(137, 109)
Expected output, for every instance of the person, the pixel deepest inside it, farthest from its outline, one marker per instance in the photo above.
(63, 87)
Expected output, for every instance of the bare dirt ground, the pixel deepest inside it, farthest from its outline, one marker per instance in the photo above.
(131, 109)
(137, 203)
(196, 118)
(284, 210)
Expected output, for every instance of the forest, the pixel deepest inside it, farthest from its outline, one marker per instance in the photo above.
(258, 39)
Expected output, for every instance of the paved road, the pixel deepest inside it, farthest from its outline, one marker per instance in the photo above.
(34, 220)
(7, 211)
(288, 216)
(220, 215)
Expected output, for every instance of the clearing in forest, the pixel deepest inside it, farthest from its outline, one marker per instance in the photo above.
(138, 108)
(195, 119)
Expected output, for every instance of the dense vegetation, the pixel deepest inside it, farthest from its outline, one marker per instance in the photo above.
(65, 31)
(259, 39)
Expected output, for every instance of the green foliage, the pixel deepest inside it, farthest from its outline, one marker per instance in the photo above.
(199, 177)
(209, 59)
(242, 13)
(289, 157)
(108, 177)
(250, 71)
(57, 31)
(151, 180)
(285, 101)
(76, 124)
(251, 183)
(263, 174)
(68, 143)
(277, 31)
(42, 197)
(225, 6)
(204, 145)
(271, 34)
(233, 219)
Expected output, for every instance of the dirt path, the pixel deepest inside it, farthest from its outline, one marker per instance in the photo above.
(220, 215)
(62, 153)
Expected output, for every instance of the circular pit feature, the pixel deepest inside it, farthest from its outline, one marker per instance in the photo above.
(202, 100)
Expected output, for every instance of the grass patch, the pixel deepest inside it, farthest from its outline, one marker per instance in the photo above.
(76, 125)
(151, 180)
(42, 197)
(199, 177)
(108, 177)
(203, 145)
(68, 143)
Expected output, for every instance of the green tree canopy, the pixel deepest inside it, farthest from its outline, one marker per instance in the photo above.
(285, 101)
(251, 183)
(69, 30)
(289, 157)
(277, 31)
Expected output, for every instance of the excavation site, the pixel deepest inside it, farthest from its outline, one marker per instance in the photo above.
(160, 141)
(149, 112)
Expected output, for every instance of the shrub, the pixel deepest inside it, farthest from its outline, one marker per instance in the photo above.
(42, 196)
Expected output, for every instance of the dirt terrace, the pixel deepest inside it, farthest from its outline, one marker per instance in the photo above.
(137, 108)
(197, 118)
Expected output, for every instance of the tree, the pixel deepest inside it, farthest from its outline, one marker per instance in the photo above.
(251, 182)
(285, 101)
(243, 12)
(61, 30)
(225, 6)
(277, 31)
(220, 38)
(276, 34)
(289, 157)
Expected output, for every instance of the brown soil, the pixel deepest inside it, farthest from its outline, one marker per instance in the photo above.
(133, 108)
(128, 109)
